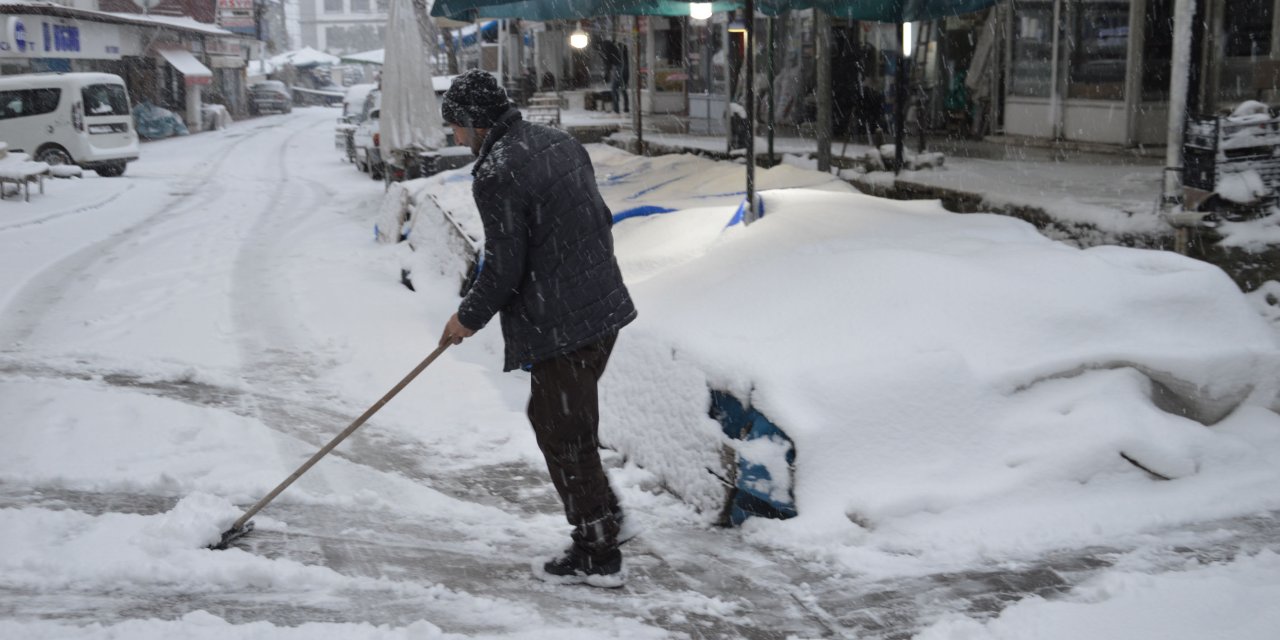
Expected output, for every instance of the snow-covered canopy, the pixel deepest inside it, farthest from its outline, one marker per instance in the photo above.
(304, 58)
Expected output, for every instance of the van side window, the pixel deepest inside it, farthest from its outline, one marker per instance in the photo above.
(28, 102)
(105, 100)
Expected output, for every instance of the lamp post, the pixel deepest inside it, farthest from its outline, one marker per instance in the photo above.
(900, 91)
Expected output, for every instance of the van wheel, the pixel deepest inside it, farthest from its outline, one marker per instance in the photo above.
(53, 154)
(111, 170)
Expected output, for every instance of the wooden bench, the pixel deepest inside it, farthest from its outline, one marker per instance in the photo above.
(19, 169)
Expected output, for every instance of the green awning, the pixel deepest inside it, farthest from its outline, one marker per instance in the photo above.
(543, 10)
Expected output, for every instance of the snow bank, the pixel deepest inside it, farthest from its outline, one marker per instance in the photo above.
(925, 362)
(1234, 600)
(48, 550)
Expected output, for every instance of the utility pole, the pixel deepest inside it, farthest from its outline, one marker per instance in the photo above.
(822, 40)
(900, 100)
(749, 49)
(773, 28)
(1179, 82)
(637, 120)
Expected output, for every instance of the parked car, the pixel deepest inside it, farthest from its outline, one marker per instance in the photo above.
(69, 118)
(354, 105)
(271, 95)
(367, 140)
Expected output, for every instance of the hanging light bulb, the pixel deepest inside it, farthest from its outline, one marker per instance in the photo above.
(578, 39)
(700, 10)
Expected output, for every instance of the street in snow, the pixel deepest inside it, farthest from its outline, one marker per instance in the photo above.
(995, 435)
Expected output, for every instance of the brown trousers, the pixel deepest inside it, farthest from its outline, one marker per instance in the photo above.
(565, 413)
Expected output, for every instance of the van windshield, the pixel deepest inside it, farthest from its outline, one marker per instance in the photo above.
(105, 100)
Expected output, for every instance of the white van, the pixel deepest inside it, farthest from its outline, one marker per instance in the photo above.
(69, 118)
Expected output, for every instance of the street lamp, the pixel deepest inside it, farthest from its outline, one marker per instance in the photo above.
(906, 39)
(578, 39)
(700, 10)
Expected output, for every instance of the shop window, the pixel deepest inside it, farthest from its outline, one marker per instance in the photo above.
(333, 6)
(1100, 33)
(383, 5)
(1248, 27)
(359, 6)
(1032, 49)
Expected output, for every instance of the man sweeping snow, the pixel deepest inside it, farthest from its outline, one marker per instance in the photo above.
(550, 274)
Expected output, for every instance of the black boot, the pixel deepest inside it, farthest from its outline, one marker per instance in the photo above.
(582, 566)
(592, 559)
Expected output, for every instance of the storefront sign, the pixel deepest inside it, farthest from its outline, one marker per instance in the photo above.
(236, 16)
(44, 37)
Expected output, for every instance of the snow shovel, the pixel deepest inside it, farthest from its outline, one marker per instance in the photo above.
(243, 526)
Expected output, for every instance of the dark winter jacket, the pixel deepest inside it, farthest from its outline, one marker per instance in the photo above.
(548, 268)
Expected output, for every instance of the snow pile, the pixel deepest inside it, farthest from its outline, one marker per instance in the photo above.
(935, 368)
(1243, 187)
(1235, 600)
(48, 550)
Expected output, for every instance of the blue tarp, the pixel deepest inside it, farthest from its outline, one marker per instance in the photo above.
(754, 491)
(154, 122)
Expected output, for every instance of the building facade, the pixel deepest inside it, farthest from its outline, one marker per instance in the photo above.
(1099, 70)
(173, 62)
(340, 27)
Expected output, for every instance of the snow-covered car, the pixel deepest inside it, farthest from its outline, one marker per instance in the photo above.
(269, 96)
(354, 105)
(884, 375)
(367, 138)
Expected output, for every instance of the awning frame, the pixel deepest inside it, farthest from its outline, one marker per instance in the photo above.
(193, 71)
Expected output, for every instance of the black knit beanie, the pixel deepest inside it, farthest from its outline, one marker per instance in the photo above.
(474, 100)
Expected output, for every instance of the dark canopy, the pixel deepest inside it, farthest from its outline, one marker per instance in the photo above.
(544, 10)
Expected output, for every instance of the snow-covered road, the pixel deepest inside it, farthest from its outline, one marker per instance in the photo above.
(189, 333)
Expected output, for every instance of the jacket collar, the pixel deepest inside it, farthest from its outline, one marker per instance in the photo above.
(499, 129)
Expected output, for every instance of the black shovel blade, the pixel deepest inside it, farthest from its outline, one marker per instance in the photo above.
(231, 535)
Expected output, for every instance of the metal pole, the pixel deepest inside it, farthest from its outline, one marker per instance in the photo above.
(822, 37)
(773, 100)
(749, 49)
(900, 101)
(636, 118)
(1183, 13)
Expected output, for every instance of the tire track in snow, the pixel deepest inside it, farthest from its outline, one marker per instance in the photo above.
(30, 306)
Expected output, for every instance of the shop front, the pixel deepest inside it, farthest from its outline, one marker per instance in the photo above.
(1089, 70)
(1099, 70)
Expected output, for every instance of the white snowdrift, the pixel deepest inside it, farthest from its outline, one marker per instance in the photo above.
(1235, 600)
(925, 362)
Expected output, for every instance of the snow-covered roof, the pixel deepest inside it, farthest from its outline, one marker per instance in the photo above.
(305, 57)
(58, 10)
(187, 24)
(366, 57)
(259, 67)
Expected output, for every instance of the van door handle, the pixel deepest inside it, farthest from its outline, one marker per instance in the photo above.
(50, 128)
